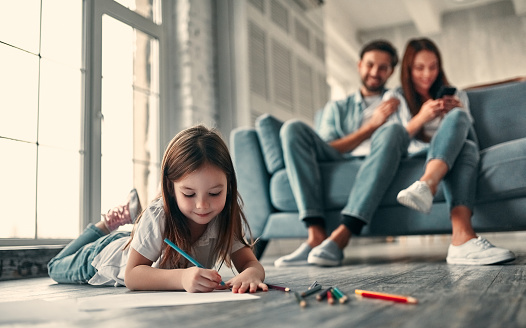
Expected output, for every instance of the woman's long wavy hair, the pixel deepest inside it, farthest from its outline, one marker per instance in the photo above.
(414, 46)
(189, 151)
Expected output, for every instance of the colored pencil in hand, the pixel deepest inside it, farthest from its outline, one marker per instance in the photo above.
(188, 257)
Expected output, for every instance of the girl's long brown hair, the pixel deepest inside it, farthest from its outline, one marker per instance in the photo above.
(414, 100)
(188, 151)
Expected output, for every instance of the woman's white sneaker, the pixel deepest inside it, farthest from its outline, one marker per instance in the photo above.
(417, 196)
(478, 251)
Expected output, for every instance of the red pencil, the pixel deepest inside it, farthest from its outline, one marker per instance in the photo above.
(388, 297)
(330, 299)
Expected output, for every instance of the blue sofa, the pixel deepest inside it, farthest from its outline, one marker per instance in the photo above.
(500, 123)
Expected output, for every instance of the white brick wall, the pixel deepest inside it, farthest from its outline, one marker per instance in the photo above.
(194, 63)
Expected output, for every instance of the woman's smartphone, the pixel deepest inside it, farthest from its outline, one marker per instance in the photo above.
(445, 90)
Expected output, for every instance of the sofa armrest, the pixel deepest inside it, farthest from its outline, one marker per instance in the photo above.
(253, 180)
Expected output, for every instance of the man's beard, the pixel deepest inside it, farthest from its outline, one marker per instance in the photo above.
(372, 89)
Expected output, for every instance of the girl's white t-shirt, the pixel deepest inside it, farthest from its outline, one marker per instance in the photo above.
(149, 242)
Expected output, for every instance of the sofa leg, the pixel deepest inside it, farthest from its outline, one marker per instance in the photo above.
(259, 248)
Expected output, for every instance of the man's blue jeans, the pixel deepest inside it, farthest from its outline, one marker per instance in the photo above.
(303, 149)
(73, 264)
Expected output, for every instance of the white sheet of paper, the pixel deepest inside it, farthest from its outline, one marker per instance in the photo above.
(39, 311)
(153, 299)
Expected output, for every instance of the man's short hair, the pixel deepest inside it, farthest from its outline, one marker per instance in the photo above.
(381, 45)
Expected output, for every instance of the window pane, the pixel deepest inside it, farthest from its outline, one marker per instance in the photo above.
(148, 8)
(58, 193)
(17, 192)
(62, 33)
(130, 107)
(20, 24)
(18, 94)
(60, 103)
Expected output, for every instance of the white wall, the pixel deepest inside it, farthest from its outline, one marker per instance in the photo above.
(478, 45)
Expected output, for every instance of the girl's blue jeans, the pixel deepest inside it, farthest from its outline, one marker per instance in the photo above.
(73, 264)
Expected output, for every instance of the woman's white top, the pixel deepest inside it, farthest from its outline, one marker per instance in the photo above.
(404, 116)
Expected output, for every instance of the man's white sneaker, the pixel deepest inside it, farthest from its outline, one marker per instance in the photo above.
(478, 251)
(296, 258)
(326, 254)
(417, 196)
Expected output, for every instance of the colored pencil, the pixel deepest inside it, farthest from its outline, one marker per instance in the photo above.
(284, 289)
(335, 294)
(302, 302)
(188, 257)
(311, 291)
(313, 284)
(388, 297)
(321, 296)
(330, 299)
(342, 298)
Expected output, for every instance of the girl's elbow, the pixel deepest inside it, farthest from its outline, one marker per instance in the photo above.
(130, 283)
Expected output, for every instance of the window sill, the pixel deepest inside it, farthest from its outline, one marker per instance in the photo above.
(21, 262)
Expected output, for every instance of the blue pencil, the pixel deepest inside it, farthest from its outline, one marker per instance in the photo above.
(188, 257)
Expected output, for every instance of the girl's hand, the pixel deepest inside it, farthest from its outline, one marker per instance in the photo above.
(198, 280)
(246, 281)
(450, 102)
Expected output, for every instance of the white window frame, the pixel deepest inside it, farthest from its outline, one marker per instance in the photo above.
(90, 173)
(90, 206)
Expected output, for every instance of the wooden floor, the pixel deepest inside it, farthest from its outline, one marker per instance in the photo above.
(449, 296)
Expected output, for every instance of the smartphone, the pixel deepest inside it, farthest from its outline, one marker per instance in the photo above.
(445, 90)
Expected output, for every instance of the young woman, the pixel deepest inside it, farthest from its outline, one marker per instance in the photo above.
(443, 127)
(199, 211)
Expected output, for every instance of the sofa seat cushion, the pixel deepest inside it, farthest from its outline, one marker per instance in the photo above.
(502, 172)
(337, 181)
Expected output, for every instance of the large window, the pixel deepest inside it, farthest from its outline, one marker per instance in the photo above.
(79, 112)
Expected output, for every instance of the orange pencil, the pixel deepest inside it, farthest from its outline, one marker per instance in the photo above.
(388, 297)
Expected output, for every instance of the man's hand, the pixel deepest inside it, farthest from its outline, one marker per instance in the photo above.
(380, 116)
(383, 111)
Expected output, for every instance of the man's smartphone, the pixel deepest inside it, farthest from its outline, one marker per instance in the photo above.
(445, 90)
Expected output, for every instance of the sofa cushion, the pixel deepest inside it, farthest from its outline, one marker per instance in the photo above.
(502, 172)
(499, 113)
(267, 128)
(338, 178)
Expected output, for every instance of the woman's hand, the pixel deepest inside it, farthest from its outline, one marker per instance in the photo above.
(430, 110)
(450, 102)
(198, 280)
(248, 280)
